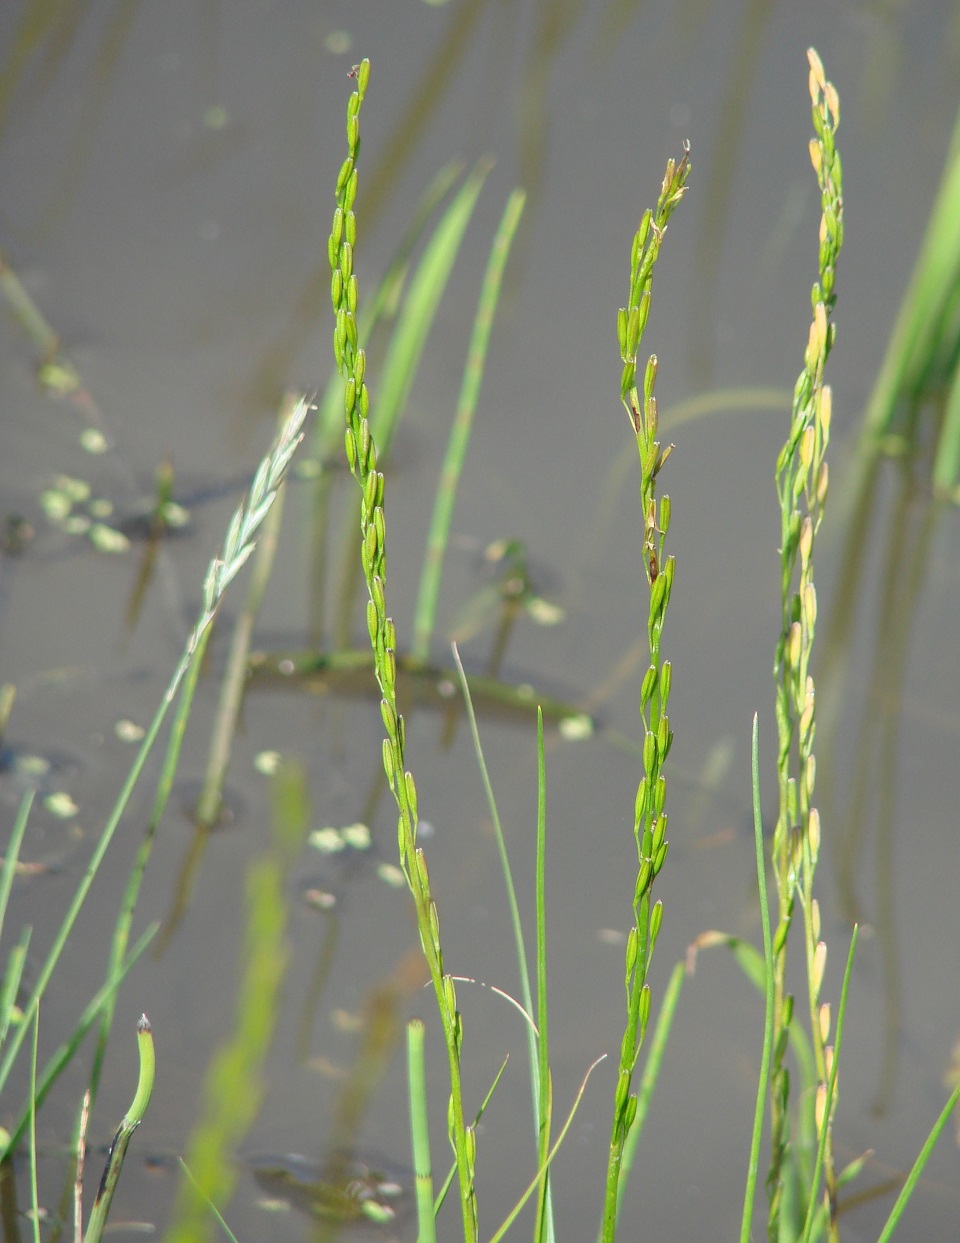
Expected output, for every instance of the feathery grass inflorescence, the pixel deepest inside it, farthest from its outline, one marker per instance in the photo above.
(362, 460)
(238, 545)
(650, 819)
(802, 490)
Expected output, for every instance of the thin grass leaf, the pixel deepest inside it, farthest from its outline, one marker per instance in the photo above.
(452, 1172)
(209, 1203)
(946, 462)
(545, 1227)
(12, 977)
(32, 1088)
(12, 856)
(420, 1132)
(420, 308)
(519, 946)
(121, 931)
(429, 591)
(915, 340)
(763, 1079)
(903, 1199)
(531, 1188)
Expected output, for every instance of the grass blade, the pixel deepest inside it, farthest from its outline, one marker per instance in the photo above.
(429, 591)
(420, 1132)
(914, 1176)
(763, 1081)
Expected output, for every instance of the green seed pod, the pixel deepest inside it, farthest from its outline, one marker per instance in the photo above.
(411, 793)
(633, 331)
(370, 552)
(644, 1009)
(630, 1113)
(658, 591)
(336, 286)
(656, 920)
(649, 753)
(353, 293)
(389, 766)
(390, 668)
(641, 801)
(666, 681)
(350, 227)
(346, 260)
(435, 933)
(661, 856)
(631, 955)
(649, 685)
(373, 624)
(350, 327)
(644, 877)
(423, 874)
(369, 496)
(628, 1052)
(389, 717)
(343, 177)
(349, 398)
(363, 77)
(336, 229)
(659, 797)
(377, 595)
(340, 337)
(350, 445)
(623, 1087)
(622, 331)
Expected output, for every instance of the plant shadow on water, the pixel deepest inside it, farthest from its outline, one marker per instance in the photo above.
(311, 914)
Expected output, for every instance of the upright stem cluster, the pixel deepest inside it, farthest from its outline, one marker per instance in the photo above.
(802, 489)
(650, 819)
(362, 459)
